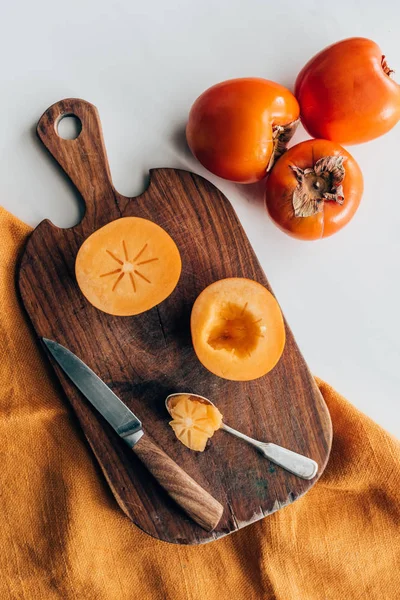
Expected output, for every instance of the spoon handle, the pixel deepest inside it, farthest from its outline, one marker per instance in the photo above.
(295, 463)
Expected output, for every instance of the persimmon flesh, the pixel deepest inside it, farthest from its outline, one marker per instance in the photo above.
(128, 266)
(237, 329)
(193, 421)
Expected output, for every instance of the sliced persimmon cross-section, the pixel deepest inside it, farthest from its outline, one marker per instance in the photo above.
(128, 266)
(237, 329)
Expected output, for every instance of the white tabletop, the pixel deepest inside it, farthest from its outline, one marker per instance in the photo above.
(143, 64)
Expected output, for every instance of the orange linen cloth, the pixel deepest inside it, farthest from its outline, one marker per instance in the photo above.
(62, 535)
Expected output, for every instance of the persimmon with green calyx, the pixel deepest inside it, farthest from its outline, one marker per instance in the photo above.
(237, 328)
(193, 421)
(314, 189)
(238, 128)
(346, 93)
(128, 266)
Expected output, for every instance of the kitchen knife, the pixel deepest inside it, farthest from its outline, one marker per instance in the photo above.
(191, 497)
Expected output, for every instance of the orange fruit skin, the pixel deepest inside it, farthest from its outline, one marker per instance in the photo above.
(282, 182)
(237, 328)
(230, 126)
(345, 95)
(128, 266)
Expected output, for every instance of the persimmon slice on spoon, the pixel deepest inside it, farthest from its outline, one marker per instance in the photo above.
(128, 266)
(196, 418)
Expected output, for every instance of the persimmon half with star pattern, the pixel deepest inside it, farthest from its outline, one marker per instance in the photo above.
(128, 266)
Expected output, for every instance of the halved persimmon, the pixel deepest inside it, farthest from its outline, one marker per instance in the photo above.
(237, 329)
(128, 266)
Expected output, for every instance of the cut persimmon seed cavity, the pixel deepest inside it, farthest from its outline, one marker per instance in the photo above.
(237, 329)
(194, 422)
(128, 266)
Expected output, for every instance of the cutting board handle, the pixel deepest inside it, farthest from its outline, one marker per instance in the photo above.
(83, 159)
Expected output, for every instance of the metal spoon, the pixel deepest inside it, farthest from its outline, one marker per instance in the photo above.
(295, 463)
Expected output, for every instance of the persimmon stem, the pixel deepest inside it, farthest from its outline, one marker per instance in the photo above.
(389, 72)
(315, 185)
(281, 136)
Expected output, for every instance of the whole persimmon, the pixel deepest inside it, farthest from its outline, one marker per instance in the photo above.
(237, 128)
(314, 189)
(346, 93)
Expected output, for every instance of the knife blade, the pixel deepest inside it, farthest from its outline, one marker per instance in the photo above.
(125, 423)
(189, 495)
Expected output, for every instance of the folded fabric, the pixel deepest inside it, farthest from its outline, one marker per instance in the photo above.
(63, 536)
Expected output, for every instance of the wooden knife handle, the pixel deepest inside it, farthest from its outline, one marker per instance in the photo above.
(191, 497)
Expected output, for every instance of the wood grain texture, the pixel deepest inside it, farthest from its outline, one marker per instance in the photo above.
(194, 500)
(146, 357)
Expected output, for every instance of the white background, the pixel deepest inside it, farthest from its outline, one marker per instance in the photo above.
(143, 64)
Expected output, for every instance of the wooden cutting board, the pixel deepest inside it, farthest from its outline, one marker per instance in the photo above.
(145, 357)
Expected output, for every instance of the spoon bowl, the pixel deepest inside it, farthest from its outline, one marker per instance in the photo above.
(169, 399)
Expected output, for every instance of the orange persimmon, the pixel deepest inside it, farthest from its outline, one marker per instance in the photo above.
(346, 93)
(128, 266)
(237, 329)
(314, 189)
(237, 128)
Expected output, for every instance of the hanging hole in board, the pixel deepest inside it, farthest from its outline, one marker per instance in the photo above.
(69, 127)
